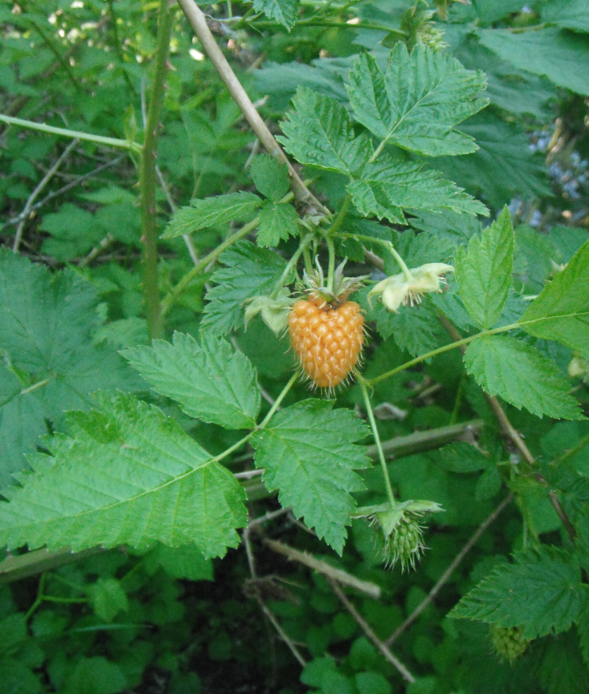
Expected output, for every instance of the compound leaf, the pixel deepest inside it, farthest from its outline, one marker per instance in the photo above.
(127, 475)
(308, 453)
(540, 592)
(387, 186)
(484, 271)
(560, 56)
(520, 375)
(209, 379)
(418, 101)
(278, 221)
(561, 311)
(319, 133)
(50, 363)
(249, 271)
(210, 212)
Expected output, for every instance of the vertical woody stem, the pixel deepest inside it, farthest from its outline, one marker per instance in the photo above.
(148, 179)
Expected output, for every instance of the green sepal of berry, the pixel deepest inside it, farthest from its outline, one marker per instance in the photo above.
(508, 643)
(274, 312)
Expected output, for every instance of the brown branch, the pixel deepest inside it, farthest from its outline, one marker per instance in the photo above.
(366, 628)
(449, 571)
(198, 23)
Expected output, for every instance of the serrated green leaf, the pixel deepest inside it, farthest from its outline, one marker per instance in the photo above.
(570, 14)
(249, 271)
(49, 362)
(210, 212)
(484, 271)
(391, 184)
(561, 311)
(418, 101)
(108, 598)
(520, 375)
(462, 457)
(319, 133)
(127, 475)
(270, 177)
(283, 11)
(208, 378)
(560, 56)
(74, 232)
(277, 223)
(184, 562)
(308, 453)
(560, 665)
(540, 592)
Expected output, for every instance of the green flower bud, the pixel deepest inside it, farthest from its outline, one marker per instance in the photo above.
(508, 643)
(274, 312)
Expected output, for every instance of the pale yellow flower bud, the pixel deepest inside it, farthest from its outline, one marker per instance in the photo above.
(400, 290)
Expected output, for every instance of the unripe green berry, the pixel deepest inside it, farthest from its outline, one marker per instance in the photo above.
(508, 643)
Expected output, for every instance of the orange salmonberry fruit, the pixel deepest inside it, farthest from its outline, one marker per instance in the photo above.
(327, 330)
(327, 340)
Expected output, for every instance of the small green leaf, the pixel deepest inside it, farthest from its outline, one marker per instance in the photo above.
(108, 598)
(418, 101)
(308, 453)
(270, 177)
(210, 212)
(462, 457)
(540, 592)
(319, 133)
(560, 56)
(249, 272)
(209, 379)
(561, 312)
(484, 271)
(391, 184)
(520, 375)
(278, 221)
(283, 11)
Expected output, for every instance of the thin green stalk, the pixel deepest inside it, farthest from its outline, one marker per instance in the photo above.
(118, 47)
(440, 350)
(335, 227)
(387, 480)
(174, 293)
(308, 261)
(278, 401)
(572, 451)
(148, 176)
(291, 264)
(386, 244)
(331, 268)
(39, 598)
(64, 63)
(65, 132)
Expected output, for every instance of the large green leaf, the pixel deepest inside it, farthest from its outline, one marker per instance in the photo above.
(418, 101)
(483, 272)
(308, 453)
(208, 378)
(561, 312)
(270, 177)
(210, 212)
(249, 271)
(561, 56)
(49, 361)
(520, 375)
(391, 184)
(278, 221)
(540, 592)
(283, 11)
(571, 14)
(127, 475)
(319, 133)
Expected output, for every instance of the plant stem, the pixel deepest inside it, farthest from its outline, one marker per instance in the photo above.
(385, 472)
(65, 132)
(441, 350)
(198, 22)
(334, 228)
(147, 180)
(331, 267)
(277, 402)
(291, 264)
(173, 294)
(390, 248)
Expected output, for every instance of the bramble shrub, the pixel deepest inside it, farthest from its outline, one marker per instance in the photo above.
(294, 280)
